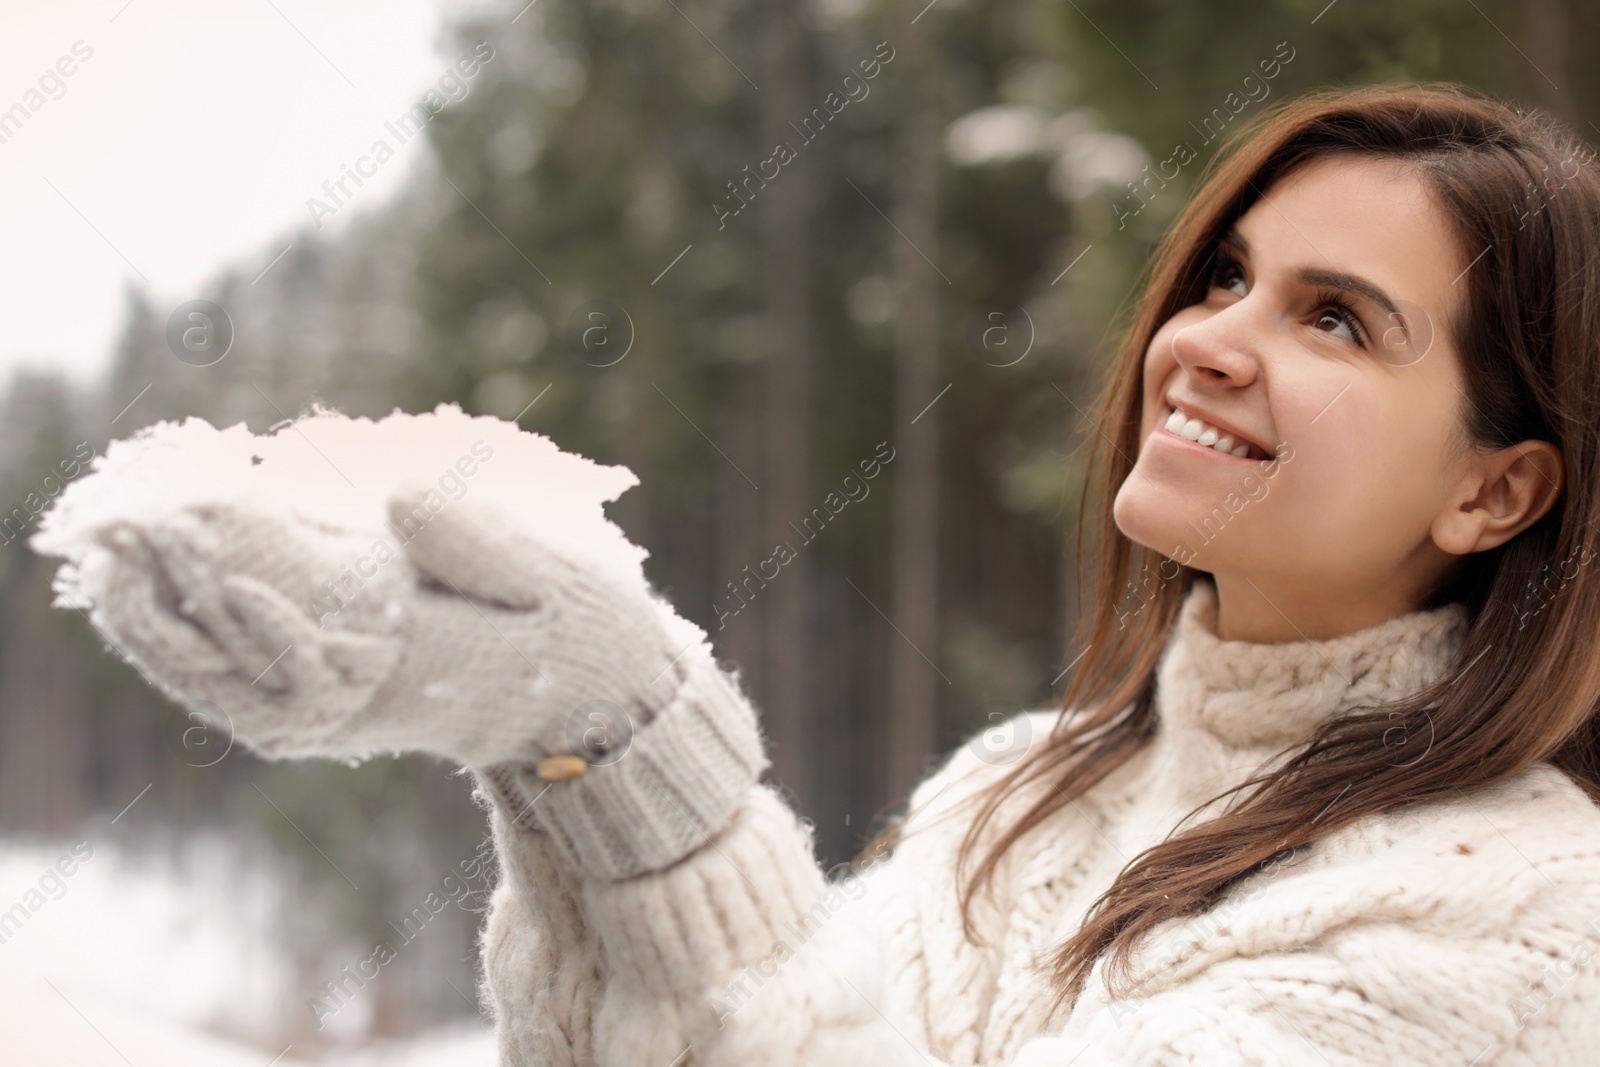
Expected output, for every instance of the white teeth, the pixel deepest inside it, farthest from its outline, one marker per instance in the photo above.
(1209, 436)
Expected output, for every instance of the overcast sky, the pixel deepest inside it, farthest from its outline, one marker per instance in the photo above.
(188, 136)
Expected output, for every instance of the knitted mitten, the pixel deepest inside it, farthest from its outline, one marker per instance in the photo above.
(480, 642)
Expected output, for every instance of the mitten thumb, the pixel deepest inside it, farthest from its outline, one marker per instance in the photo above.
(472, 547)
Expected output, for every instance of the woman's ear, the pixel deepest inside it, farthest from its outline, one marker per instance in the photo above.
(1501, 494)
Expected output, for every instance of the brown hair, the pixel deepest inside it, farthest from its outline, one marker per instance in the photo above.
(1517, 187)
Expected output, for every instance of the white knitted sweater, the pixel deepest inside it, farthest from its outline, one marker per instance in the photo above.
(1460, 933)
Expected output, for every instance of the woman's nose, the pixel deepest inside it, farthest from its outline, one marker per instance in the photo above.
(1222, 347)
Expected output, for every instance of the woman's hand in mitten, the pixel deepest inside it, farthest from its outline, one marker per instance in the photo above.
(481, 643)
(215, 604)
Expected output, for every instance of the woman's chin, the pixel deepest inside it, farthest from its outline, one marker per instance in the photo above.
(1149, 519)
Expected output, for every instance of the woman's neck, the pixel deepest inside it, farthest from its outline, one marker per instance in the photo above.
(1267, 610)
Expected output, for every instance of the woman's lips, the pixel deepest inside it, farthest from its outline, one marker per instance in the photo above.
(1172, 440)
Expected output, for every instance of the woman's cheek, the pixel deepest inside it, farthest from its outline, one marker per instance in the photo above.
(1322, 477)
(1159, 366)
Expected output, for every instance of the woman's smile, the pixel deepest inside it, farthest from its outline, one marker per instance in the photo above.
(1184, 425)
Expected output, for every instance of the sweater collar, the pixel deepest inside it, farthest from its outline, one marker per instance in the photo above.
(1271, 696)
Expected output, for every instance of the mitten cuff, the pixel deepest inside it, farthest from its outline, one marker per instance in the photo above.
(674, 788)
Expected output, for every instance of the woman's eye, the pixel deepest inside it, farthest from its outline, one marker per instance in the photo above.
(1228, 276)
(1340, 322)
(1330, 323)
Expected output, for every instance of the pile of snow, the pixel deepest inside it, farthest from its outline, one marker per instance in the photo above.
(338, 471)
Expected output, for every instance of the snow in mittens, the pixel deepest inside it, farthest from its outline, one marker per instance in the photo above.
(330, 469)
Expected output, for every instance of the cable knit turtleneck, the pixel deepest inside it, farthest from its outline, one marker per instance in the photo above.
(1459, 934)
(1227, 706)
(1250, 695)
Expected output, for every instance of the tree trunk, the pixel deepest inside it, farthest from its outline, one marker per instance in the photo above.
(1548, 27)
(914, 682)
(786, 207)
(737, 628)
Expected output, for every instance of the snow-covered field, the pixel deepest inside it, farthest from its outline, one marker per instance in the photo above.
(118, 960)
(39, 1027)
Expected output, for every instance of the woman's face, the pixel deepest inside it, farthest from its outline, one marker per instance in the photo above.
(1362, 408)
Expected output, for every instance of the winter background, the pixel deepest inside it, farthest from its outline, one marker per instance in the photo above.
(593, 234)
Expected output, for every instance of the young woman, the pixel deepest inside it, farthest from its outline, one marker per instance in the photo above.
(1322, 789)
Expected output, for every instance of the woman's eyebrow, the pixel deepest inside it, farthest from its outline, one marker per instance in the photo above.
(1332, 279)
(1350, 283)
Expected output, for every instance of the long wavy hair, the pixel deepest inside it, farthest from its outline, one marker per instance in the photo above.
(1520, 188)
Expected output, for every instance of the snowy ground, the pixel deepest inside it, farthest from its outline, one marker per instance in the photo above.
(128, 962)
(40, 1027)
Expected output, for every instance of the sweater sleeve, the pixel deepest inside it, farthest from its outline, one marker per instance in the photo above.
(541, 957)
(743, 951)
(746, 954)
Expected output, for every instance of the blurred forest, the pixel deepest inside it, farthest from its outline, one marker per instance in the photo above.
(599, 247)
